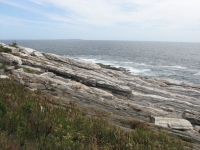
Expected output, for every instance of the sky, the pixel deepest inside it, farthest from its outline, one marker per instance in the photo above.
(128, 20)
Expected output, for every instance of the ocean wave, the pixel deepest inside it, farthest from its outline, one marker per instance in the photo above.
(142, 72)
(174, 67)
(197, 74)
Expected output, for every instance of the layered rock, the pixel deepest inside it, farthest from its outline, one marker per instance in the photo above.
(192, 116)
(9, 58)
(111, 89)
(173, 123)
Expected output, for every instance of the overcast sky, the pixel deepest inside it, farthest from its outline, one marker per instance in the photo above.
(134, 20)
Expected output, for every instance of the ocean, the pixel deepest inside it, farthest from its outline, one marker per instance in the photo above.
(179, 61)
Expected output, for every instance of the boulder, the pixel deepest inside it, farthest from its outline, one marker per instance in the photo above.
(25, 50)
(173, 123)
(4, 77)
(192, 116)
(9, 58)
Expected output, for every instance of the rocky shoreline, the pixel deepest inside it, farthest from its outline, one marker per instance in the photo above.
(164, 102)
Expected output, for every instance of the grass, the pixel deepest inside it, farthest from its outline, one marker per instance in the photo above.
(28, 121)
(2, 66)
(5, 50)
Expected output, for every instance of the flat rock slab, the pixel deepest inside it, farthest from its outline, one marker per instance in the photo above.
(48, 74)
(4, 77)
(38, 54)
(173, 123)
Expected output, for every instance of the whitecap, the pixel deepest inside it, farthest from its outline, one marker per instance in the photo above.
(146, 72)
(127, 62)
(197, 74)
(140, 64)
(174, 67)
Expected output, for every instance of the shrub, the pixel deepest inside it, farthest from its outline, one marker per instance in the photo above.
(14, 44)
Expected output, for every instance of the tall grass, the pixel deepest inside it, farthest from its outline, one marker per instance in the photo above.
(28, 121)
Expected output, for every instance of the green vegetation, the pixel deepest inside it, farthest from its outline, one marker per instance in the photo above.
(5, 50)
(2, 66)
(28, 121)
(14, 44)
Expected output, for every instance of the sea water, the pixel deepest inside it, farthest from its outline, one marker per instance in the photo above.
(179, 61)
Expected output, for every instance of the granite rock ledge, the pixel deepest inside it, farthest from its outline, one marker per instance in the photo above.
(169, 102)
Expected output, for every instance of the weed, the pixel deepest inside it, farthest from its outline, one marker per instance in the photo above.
(5, 50)
(2, 66)
(66, 128)
(14, 44)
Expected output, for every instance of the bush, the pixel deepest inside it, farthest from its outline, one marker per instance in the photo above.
(14, 44)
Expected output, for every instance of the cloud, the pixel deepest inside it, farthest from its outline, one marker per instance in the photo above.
(97, 13)
(119, 15)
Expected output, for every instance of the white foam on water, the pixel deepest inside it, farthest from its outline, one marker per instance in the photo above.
(143, 72)
(174, 67)
(197, 74)
(134, 67)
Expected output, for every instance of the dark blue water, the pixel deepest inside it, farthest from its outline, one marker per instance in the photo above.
(180, 61)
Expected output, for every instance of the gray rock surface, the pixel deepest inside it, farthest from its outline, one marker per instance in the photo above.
(13, 49)
(31, 68)
(48, 74)
(113, 90)
(8, 68)
(173, 123)
(25, 50)
(192, 116)
(9, 58)
(37, 54)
